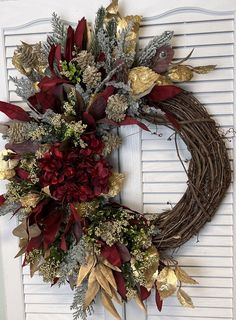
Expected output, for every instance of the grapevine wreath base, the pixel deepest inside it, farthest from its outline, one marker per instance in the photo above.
(80, 87)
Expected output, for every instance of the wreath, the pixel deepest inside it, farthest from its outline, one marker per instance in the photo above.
(80, 87)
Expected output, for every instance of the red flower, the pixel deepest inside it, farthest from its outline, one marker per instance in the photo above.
(76, 175)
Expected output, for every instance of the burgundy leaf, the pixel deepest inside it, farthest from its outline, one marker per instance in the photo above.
(2, 200)
(23, 174)
(162, 58)
(161, 93)
(58, 56)
(51, 227)
(159, 302)
(89, 120)
(98, 107)
(124, 252)
(144, 293)
(111, 254)
(48, 83)
(34, 243)
(172, 120)
(120, 282)
(24, 147)
(51, 57)
(14, 112)
(69, 44)
(80, 33)
(130, 121)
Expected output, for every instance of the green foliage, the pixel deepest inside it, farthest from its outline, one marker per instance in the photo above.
(71, 71)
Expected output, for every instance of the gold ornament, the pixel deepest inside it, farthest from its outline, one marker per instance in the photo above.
(166, 282)
(7, 174)
(142, 80)
(184, 299)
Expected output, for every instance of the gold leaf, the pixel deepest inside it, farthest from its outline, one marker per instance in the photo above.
(166, 282)
(109, 265)
(106, 271)
(101, 279)
(180, 73)
(93, 288)
(108, 304)
(23, 245)
(115, 296)
(113, 7)
(183, 276)
(184, 299)
(204, 69)
(150, 273)
(34, 266)
(163, 80)
(21, 230)
(142, 80)
(140, 303)
(85, 269)
(47, 191)
(30, 200)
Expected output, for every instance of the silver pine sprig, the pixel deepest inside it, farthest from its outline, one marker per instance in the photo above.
(59, 31)
(24, 87)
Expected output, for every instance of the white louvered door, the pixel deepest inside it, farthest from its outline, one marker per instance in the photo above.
(155, 178)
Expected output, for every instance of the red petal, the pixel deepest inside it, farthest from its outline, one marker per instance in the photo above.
(111, 254)
(79, 33)
(69, 44)
(120, 281)
(161, 93)
(159, 302)
(14, 112)
(144, 293)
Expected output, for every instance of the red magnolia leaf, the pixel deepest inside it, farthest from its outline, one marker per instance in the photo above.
(34, 243)
(89, 120)
(144, 293)
(51, 227)
(111, 254)
(172, 120)
(159, 302)
(124, 252)
(63, 244)
(161, 93)
(48, 83)
(2, 200)
(129, 121)
(120, 282)
(69, 44)
(80, 33)
(14, 112)
(24, 147)
(58, 56)
(23, 174)
(51, 57)
(107, 92)
(162, 58)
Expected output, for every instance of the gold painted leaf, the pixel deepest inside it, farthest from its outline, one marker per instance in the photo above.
(180, 73)
(184, 299)
(140, 303)
(115, 296)
(109, 265)
(101, 279)
(204, 69)
(34, 266)
(21, 230)
(107, 272)
(85, 269)
(142, 80)
(108, 304)
(183, 276)
(151, 272)
(166, 282)
(23, 245)
(93, 288)
(113, 7)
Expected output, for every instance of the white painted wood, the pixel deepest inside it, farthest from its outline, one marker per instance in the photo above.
(154, 175)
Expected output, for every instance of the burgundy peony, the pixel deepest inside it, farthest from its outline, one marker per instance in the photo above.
(76, 175)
